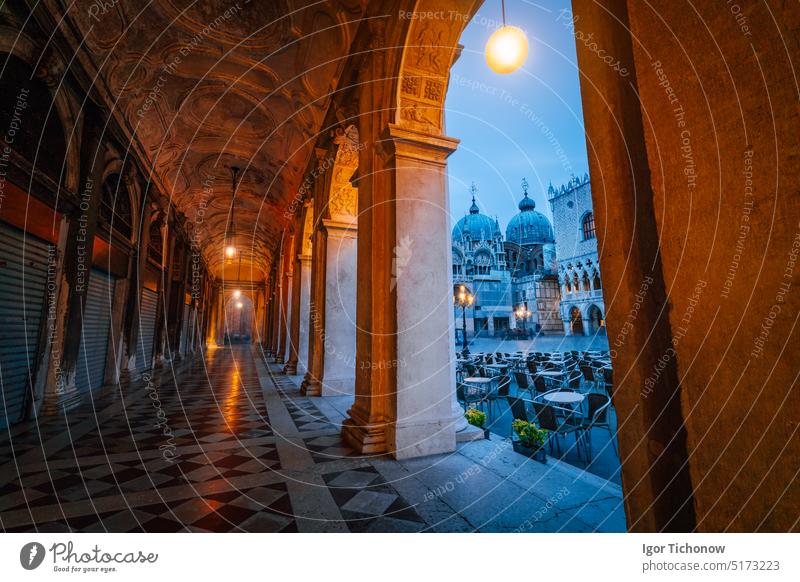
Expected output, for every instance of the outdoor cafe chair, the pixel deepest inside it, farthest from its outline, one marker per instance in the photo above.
(519, 410)
(502, 392)
(523, 381)
(468, 395)
(558, 424)
(597, 417)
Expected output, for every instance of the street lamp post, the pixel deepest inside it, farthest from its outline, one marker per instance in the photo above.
(464, 299)
(522, 313)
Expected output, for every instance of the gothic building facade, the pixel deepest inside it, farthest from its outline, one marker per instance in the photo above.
(582, 307)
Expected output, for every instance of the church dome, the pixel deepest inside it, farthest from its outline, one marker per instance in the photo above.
(477, 225)
(529, 226)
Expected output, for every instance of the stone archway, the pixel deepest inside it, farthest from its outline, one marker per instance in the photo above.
(595, 319)
(575, 321)
(239, 318)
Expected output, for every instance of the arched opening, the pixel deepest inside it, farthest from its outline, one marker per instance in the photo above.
(239, 314)
(595, 317)
(587, 226)
(575, 321)
(596, 283)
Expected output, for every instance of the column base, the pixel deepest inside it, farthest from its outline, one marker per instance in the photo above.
(310, 386)
(290, 369)
(422, 439)
(367, 439)
(338, 386)
(470, 433)
(279, 360)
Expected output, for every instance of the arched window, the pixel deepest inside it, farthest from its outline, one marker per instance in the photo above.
(587, 224)
(586, 285)
(596, 281)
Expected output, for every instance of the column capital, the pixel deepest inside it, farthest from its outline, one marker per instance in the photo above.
(409, 143)
(340, 228)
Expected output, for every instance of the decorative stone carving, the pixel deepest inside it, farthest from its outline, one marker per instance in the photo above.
(343, 199)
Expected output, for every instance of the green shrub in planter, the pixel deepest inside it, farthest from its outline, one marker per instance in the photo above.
(475, 417)
(530, 439)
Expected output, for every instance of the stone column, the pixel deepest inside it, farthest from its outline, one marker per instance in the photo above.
(312, 382)
(287, 330)
(164, 289)
(283, 299)
(77, 245)
(426, 413)
(339, 340)
(587, 325)
(304, 316)
(142, 243)
(275, 316)
(298, 340)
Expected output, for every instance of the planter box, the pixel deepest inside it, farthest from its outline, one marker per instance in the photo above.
(535, 454)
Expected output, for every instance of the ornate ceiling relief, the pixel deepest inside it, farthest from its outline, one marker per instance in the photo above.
(204, 86)
(343, 198)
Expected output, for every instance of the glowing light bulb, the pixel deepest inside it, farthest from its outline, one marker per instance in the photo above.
(237, 293)
(507, 50)
(239, 305)
(230, 251)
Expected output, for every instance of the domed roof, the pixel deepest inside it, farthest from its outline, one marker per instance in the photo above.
(529, 226)
(477, 225)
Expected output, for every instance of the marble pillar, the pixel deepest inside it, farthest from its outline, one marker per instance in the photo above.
(287, 323)
(427, 415)
(339, 338)
(304, 317)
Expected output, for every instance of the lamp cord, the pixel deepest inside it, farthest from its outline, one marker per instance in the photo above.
(503, 9)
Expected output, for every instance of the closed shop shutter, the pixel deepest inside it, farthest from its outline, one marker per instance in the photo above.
(147, 329)
(23, 281)
(92, 356)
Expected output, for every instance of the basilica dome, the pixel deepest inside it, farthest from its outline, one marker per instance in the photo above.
(477, 225)
(529, 226)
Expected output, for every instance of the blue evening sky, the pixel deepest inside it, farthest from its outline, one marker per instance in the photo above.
(525, 124)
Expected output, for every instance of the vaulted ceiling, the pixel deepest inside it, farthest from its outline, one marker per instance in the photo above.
(210, 84)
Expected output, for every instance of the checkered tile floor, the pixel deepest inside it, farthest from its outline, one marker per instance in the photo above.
(224, 443)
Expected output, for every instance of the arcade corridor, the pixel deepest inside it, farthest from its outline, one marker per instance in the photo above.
(248, 453)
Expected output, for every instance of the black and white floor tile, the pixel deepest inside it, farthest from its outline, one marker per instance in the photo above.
(194, 450)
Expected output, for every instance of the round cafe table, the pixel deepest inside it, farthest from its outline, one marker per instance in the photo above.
(563, 397)
(478, 380)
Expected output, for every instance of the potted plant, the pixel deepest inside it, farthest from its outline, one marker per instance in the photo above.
(530, 439)
(477, 418)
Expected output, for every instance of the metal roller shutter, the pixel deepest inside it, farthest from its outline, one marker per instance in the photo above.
(147, 329)
(92, 356)
(23, 281)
